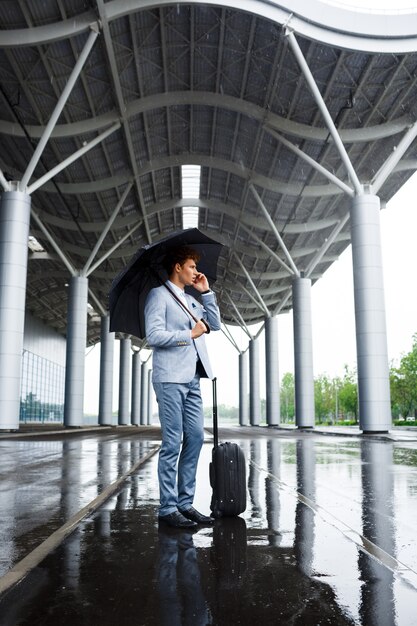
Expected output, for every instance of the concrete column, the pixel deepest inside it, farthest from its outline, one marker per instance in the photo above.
(273, 415)
(124, 382)
(105, 404)
(14, 231)
(150, 398)
(75, 355)
(303, 354)
(136, 383)
(255, 394)
(243, 389)
(371, 335)
(144, 394)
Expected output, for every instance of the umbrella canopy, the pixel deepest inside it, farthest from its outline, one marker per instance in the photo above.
(145, 271)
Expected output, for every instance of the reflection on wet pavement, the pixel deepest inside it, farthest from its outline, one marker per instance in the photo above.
(44, 483)
(327, 538)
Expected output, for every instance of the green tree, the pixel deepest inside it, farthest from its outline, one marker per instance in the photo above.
(323, 397)
(403, 382)
(348, 394)
(287, 397)
(223, 412)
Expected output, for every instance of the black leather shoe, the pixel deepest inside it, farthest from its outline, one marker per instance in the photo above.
(195, 516)
(177, 520)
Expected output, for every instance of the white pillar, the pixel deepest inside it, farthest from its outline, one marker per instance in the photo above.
(150, 398)
(124, 382)
(105, 409)
(14, 231)
(272, 372)
(255, 394)
(303, 353)
(144, 390)
(75, 355)
(243, 389)
(136, 384)
(371, 335)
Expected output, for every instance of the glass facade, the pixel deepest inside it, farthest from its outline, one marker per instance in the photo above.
(42, 374)
(42, 390)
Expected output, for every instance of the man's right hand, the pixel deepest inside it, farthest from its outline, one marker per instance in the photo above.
(199, 329)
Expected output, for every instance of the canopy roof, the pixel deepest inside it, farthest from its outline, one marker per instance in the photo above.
(199, 84)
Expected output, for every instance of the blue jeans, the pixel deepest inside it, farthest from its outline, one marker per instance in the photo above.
(181, 416)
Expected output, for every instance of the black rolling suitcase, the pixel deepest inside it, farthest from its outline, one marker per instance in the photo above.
(227, 473)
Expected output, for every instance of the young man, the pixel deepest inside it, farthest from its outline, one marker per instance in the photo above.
(179, 360)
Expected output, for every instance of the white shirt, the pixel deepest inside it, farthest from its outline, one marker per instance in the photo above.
(181, 295)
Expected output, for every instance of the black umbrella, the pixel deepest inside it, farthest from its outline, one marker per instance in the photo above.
(129, 289)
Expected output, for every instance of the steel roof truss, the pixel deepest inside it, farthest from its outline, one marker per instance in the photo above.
(106, 229)
(122, 108)
(328, 242)
(115, 247)
(227, 334)
(389, 165)
(274, 229)
(242, 321)
(61, 166)
(267, 249)
(4, 182)
(249, 278)
(97, 301)
(54, 244)
(324, 110)
(58, 108)
(283, 302)
(322, 170)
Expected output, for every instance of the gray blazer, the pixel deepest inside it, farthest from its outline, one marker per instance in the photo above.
(168, 332)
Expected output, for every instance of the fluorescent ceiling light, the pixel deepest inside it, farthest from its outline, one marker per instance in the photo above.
(34, 245)
(190, 188)
(90, 310)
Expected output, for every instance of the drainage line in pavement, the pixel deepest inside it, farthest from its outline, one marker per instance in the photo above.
(29, 562)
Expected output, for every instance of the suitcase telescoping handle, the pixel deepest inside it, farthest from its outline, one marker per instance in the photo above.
(215, 425)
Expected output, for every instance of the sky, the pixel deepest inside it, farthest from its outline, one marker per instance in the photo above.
(331, 300)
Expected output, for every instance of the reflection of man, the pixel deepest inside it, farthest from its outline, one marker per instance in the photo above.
(179, 360)
(181, 598)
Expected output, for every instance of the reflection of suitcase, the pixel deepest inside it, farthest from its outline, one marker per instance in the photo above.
(229, 552)
(227, 473)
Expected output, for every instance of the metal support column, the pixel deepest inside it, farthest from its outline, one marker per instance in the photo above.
(272, 372)
(136, 383)
(243, 389)
(144, 382)
(124, 382)
(255, 394)
(303, 354)
(371, 336)
(105, 404)
(150, 397)
(75, 355)
(14, 231)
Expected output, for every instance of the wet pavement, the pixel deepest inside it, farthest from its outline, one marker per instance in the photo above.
(328, 537)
